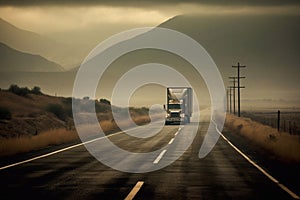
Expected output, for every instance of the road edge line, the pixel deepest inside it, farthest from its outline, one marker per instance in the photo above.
(283, 187)
(56, 152)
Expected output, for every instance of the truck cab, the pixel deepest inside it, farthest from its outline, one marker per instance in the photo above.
(173, 113)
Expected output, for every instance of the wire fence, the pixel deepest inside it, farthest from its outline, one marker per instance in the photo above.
(289, 120)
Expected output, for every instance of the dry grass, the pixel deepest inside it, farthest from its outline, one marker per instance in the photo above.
(19, 105)
(284, 146)
(23, 144)
(30, 116)
(28, 143)
(110, 125)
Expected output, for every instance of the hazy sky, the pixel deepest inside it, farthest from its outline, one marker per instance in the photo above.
(91, 21)
(55, 18)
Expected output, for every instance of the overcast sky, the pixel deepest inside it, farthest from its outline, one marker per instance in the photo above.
(56, 16)
(146, 2)
(93, 21)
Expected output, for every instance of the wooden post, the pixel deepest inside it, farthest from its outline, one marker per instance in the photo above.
(239, 87)
(278, 120)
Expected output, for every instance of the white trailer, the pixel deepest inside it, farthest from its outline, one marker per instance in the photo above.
(179, 105)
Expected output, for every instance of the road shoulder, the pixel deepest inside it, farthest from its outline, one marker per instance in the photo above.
(286, 173)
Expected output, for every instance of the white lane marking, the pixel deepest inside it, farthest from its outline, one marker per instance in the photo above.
(283, 187)
(176, 133)
(171, 141)
(55, 152)
(159, 157)
(134, 190)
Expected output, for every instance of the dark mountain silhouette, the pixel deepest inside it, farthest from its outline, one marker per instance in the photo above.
(30, 42)
(267, 44)
(12, 60)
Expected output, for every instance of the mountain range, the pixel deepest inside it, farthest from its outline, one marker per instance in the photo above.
(66, 55)
(13, 60)
(267, 45)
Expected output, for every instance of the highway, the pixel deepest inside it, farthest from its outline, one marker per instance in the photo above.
(75, 174)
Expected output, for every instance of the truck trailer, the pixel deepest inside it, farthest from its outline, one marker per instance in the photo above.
(179, 105)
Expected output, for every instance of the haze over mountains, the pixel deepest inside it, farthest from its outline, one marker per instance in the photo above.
(26, 41)
(267, 45)
(16, 61)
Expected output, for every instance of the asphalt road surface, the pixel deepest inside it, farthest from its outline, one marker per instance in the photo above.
(75, 174)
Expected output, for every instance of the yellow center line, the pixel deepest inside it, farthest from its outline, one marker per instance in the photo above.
(134, 190)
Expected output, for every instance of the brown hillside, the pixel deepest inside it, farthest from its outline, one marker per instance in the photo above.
(28, 114)
(32, 120)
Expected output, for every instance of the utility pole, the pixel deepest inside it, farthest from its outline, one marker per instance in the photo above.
(233, 87)
(278, 120)
(230, 99)
(239, 86)
(227, 99)
(229, 89)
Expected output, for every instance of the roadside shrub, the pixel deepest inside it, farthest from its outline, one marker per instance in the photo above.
(5, 113)
(18, 90)
(36, 90)
(140, 111)
(102, 108)
(57, 110)
(68, 111)
(23, 91)
(105, 101)
(68, 100)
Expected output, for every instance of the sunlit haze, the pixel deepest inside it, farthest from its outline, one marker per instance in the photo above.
(259, 34)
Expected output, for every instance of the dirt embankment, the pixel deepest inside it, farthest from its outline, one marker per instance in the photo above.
(35, 121)
(29, 115)
(281, 145)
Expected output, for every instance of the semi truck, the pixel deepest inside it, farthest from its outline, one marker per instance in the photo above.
(179, 105)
